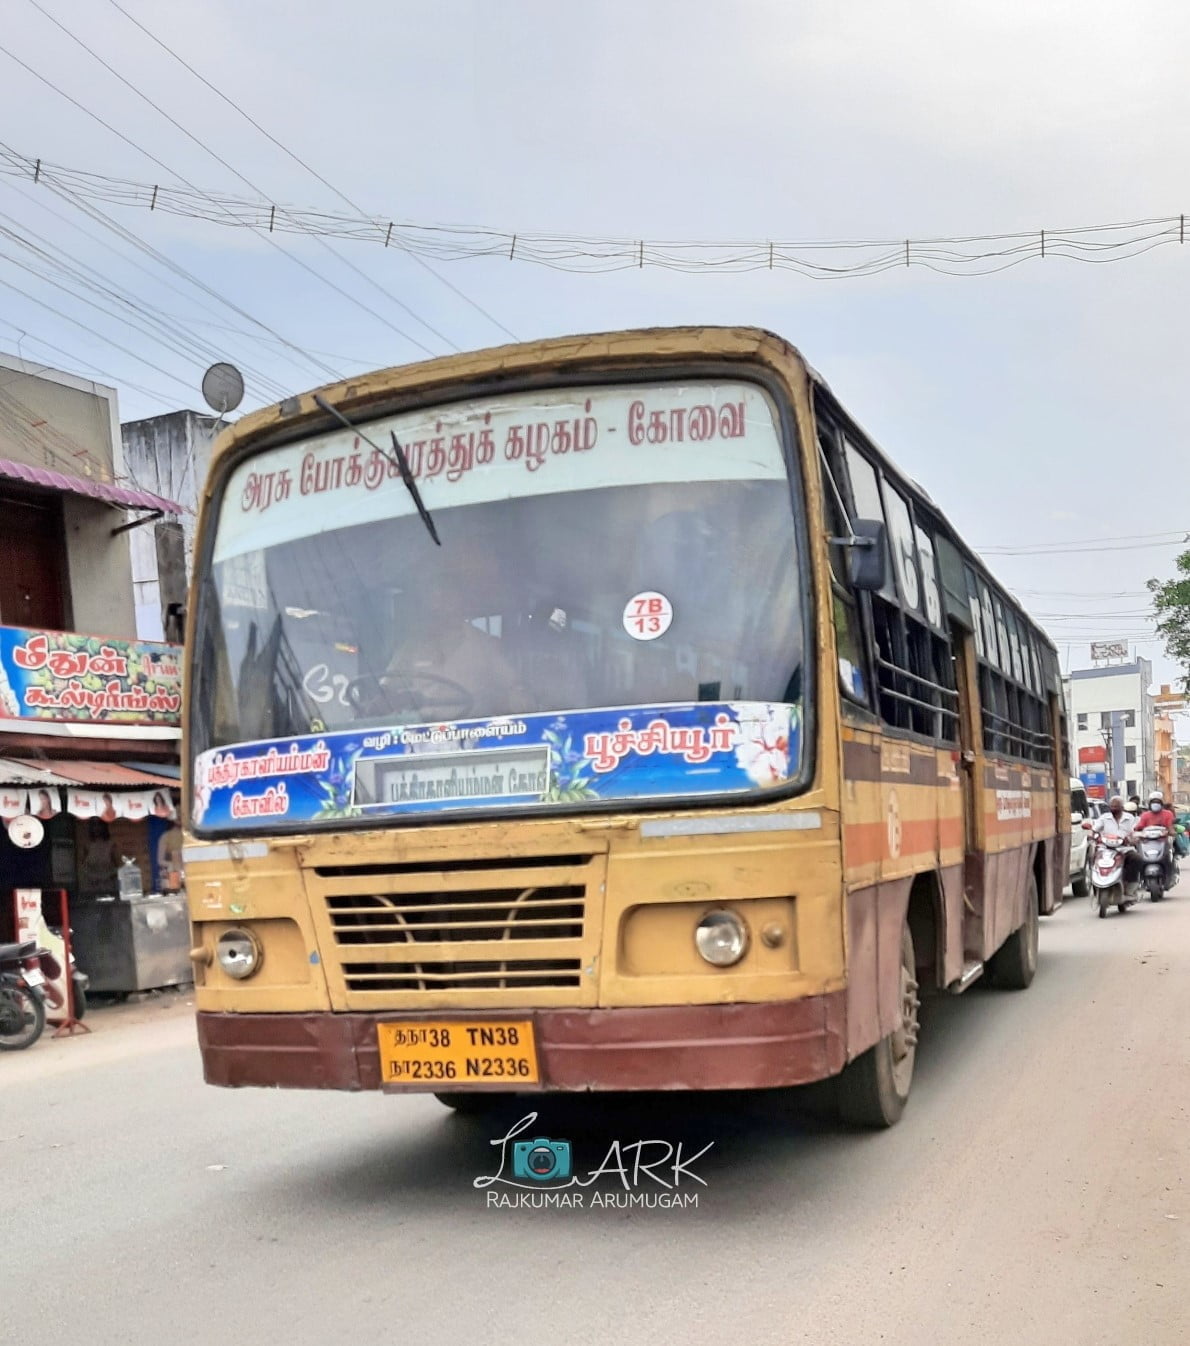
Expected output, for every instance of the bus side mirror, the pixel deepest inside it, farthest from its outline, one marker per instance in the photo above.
(867, 561)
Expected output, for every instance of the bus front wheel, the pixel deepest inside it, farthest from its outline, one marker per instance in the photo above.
(874, 1088)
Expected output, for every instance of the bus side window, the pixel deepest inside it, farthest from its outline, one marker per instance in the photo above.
(845, 611)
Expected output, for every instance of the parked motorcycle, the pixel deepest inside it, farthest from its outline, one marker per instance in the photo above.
(1153, 845)
(1107, 875)
(22, 1003)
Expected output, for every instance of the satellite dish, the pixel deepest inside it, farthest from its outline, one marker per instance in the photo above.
(223, 388)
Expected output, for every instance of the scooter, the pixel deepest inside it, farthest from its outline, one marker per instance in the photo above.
(22, 1002)
(1107, 875)
(1153, 845)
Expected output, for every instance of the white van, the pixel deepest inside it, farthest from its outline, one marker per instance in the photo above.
(1080, 839)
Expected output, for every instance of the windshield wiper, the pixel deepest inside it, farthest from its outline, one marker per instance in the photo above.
(397, 458)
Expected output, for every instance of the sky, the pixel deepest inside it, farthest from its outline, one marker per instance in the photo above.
(1026, 402)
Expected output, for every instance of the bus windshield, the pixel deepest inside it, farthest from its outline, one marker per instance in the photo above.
(615, 611)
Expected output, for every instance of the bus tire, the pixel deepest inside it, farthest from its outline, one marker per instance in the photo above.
(473, 1105)
(1014, 964)
(874, 1088)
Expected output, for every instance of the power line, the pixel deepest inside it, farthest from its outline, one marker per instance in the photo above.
(1007, 548)
(1090, 595)
(58, 313)
(235, 172)
(312, 171)
(126, 235)
(979, 254)
(146, 271)
(1096, 547)
(78, 363)
(332, 373)
(150, 322)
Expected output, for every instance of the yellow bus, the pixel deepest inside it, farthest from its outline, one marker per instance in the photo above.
(604, 713)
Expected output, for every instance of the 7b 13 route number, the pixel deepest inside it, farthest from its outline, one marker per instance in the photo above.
(648, 615)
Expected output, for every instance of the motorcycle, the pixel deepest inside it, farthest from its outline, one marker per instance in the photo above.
(1153, 845)
(22, 1001)
(1107, 875)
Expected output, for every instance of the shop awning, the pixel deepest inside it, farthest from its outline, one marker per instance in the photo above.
(91, 775)
(157, 770)
(123, 496)
(13, 772)
(107, 775)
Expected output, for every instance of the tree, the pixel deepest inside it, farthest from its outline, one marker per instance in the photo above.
(1171, 606)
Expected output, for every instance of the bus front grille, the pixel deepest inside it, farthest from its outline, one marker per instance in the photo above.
(426, 918)
(480, 931)
(463, 976)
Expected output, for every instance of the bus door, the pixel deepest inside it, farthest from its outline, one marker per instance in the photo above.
(970, 755)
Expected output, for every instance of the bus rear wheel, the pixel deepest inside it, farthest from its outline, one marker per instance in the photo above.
(874, 1088)
(1014, 965)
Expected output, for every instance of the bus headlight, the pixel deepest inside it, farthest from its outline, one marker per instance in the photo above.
(239, 953)
(721, 938)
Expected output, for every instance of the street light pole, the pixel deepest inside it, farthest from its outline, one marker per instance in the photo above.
(1106, 735)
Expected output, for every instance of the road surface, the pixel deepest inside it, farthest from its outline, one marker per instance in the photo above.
(1035, 1191)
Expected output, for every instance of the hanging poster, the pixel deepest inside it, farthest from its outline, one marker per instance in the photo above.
(14, 801)
(135, 806)
(45, 802)
(83, 804)
(161, 805)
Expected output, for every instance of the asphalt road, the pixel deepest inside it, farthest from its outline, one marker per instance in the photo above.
(1035, 1191)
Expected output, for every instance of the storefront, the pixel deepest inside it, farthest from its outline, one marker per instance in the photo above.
(89, 789)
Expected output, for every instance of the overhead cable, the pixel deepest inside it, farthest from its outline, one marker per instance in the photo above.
(818, 259)
(330, 186)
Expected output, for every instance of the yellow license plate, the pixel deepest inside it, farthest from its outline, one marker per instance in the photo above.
(459, 1052)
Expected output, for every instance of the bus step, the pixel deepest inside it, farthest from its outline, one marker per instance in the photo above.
(971, 973)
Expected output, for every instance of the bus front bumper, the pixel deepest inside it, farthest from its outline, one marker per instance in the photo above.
(736, 1046)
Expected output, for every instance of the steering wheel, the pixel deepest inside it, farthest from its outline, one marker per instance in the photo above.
(399, 693)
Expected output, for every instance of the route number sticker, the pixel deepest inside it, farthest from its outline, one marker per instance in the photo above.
(648, 615)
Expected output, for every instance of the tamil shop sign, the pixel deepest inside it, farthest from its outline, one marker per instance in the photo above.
(69, 676)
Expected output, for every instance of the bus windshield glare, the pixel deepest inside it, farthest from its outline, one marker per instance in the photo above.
(616, 612)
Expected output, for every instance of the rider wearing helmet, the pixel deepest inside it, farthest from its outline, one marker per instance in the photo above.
(1157, 815)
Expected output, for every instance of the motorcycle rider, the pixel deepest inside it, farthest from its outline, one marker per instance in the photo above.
(1157, 815)
(1117, 822)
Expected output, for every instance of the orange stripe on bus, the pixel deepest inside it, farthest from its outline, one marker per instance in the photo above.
(866, 842)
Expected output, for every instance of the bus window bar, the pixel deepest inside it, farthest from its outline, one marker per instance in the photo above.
(936, 711)
(921, 681)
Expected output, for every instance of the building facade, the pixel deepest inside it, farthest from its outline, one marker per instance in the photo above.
(1171, 777)
(1113, 731)
(90, 722)
(170, 455)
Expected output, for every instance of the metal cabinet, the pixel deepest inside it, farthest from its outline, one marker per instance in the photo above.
(133, 945)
